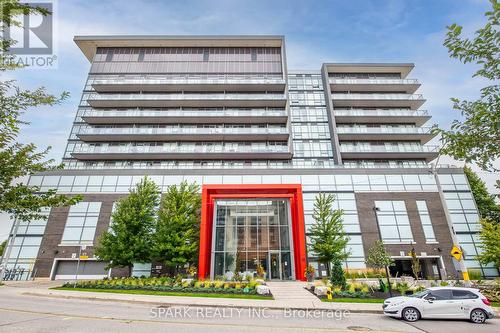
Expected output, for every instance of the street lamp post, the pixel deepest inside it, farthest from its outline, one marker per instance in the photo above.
(375, 210)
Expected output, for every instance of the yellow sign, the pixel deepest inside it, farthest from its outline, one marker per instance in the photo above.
(456, 253)
(84, 257)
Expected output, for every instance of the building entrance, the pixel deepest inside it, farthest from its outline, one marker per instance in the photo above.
(252, 233)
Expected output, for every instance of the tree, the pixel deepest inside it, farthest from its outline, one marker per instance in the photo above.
(416, 268)
(485, 202)
(130, 240)
(490, 243)
(328, 239)
(2, 247)
(378, 257)
(176, 240)
(475, 138)
(18, 160)
(337, 278)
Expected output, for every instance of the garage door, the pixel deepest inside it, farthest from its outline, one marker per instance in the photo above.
(66, 270)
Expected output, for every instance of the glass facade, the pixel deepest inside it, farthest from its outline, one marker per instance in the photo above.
(393, 222)
(248, 233)
(81, 223)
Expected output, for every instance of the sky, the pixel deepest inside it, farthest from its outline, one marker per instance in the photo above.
(315, 32)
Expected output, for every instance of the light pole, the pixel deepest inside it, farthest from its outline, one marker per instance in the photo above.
(375, 210)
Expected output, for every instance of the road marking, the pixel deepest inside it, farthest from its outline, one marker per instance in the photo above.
(184, 323)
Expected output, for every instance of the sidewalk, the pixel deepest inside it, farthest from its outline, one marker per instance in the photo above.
(299, 299)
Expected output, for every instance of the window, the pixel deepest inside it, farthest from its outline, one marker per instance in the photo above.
(393, 221)
(425, 219)
(81, 223)
(442, 294)
(463, 294)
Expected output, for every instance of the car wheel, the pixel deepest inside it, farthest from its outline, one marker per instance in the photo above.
(478, 316)
(410, 314)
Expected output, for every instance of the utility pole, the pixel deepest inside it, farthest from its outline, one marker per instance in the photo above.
(375, 210)
(461, 264)
(8, 249)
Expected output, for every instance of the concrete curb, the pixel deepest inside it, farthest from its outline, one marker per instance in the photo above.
(170, 304)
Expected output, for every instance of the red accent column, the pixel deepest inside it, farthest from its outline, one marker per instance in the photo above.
(205, 237)
(291, 191)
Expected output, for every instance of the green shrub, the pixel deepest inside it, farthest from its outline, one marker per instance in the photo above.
(474, 274)
(337, 277)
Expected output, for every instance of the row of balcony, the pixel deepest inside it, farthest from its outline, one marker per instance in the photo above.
(184, 134)
(428, 153)
(187, 100)
(417, 117)
(422, 134)
(187, 83)
(412, 101)
(376, 84)
(235, 83)
(182, 152)
(228, 116)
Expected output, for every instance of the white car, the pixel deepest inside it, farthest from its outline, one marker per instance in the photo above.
(442, 303)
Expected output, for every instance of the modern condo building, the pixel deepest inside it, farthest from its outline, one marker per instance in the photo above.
(262, 141)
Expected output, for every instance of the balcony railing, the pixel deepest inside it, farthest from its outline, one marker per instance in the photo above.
(183, 130)
(355, 96)
(181, 97)
(187, 80)
(381, 113)
(179, 149)
(373, 81)
(388, 149)
(384, 130)
(186, 113)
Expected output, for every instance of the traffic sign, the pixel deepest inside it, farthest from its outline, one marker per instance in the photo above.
(456, 253)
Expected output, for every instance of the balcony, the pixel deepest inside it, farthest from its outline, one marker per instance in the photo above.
(412, 101)
(186, 152)
(380, 84)
(230, 116)
(402, 116)
(188, 83)
(187, 100)
(422, 134)
(184, 134)
(428, 153)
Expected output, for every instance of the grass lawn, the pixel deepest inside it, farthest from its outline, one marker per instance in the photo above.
(353, 300)
(167, 293)
(495, 304)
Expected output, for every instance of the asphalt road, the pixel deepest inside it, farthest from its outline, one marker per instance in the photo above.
(22, 313)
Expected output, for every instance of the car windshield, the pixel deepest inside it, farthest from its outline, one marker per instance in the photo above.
(421, 294)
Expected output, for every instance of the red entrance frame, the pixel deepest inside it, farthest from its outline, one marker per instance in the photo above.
(293, 192)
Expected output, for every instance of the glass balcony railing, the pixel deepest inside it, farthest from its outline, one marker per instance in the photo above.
(373, 81)
(382, 113)
(384, 130)
(186, 113)
(183, 130)
(377, 96)
(127, 149)
(174, 97)
(388, 149)
(187, 80)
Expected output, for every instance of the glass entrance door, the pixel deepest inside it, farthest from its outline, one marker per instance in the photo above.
(274, 266)
(252, 233)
